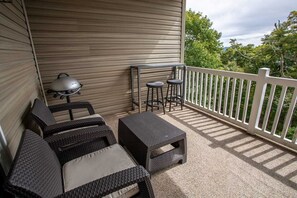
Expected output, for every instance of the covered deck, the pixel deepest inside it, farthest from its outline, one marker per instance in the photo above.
(97, 41)
(223, 161)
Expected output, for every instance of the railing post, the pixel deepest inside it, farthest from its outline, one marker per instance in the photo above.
(258, 99)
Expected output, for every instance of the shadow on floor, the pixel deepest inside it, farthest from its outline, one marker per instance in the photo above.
(164, 185)
(279, 163)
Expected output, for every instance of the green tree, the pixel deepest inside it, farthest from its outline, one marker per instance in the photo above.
(282, 44)
(202, 44)
(238, 57)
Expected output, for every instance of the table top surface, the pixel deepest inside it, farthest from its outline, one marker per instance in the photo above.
(158, 65)
(151, 129)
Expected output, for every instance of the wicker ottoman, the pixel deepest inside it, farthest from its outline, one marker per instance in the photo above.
(143, 133)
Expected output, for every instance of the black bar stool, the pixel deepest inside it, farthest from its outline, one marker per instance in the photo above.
(158, 85)
(176, 94)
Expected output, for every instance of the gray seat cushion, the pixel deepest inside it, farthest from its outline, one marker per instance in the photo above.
(90, 116)
(81, 118)
(96, 165)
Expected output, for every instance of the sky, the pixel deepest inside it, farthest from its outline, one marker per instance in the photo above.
(245, 20)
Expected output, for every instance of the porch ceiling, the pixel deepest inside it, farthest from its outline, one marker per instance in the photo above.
(223, 162)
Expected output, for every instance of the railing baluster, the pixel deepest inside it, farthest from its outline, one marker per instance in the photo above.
(232, 97)
(289, 114)
(215, 93)
(186, 84)
(189, 85)
(226, 96)
(246, 102)
(221, 94)
(239, 99)
(268, 108)
(205, 90)
(201, 89)
(193, 86)
(237, 107)
(210, 90)
(295, 137)
(279, 109)
(197, 86)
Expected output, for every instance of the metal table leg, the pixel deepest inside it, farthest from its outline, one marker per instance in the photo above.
(132, 87)
(139, 89)
(184, 85)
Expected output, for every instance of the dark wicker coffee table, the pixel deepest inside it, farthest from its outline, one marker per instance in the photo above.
(145, 132)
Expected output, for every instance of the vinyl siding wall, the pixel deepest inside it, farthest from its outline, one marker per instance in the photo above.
(18, 78)
(97, 41)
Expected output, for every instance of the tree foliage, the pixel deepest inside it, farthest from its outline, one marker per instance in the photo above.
(278, 51)
(202, 44)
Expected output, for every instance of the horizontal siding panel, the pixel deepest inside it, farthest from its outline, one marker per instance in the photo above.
(9, 55)
(46, 34)
(97, 41)
(18, 7)
(173, 7)
(117, 6)
(12, 25)
(11, 34)
(100, 9)
(62, 48)
(56, 55)
(84, 60)
(17, 10)
(91, 41)
(55, 23)
(12, 16)
(68, 15)
(103, 29)
(18, 79)
(8, 44)
(92, 66)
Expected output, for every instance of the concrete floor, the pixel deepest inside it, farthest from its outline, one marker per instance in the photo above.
(223, 162)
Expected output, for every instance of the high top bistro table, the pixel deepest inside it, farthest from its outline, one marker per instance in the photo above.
(139, 67)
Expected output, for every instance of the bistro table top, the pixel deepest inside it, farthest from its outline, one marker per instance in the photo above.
(157, 65)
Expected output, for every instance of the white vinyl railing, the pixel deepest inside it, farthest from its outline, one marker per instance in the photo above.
(261, 104)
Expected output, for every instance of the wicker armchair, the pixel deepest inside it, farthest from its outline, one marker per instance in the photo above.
(43, 116)
(78, 141)
(36, 172)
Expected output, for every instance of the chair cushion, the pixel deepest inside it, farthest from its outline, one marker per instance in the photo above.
(80, 118)
(91, 116)
(96, 165)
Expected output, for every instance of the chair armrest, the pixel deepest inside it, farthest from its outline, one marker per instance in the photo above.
(72, 105)
(114, 182)
(66, 141)
(73, 124)
(69, 146)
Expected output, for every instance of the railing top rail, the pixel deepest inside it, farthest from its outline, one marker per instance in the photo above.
(239, 75)
(253, 77)
(289, 82)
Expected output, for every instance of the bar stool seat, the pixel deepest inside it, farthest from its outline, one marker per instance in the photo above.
(155, 84)
(155, 102)
(174, 81)
(176, 94)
